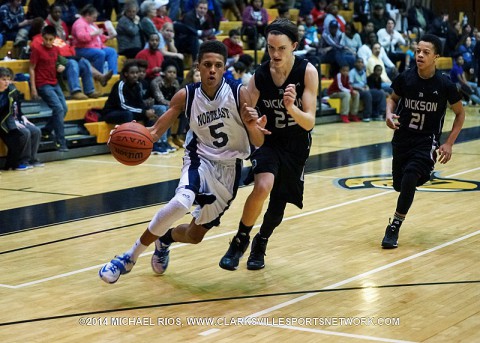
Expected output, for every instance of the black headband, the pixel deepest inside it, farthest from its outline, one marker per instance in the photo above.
(281, 28)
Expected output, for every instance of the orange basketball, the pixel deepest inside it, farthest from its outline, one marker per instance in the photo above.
(130, 143)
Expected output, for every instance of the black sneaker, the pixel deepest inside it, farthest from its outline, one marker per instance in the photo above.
(256, 260)
(390, 241)
(236, 250)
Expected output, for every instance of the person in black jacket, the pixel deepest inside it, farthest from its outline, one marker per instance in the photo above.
(9, 133)
(125, 102)
(197, 25)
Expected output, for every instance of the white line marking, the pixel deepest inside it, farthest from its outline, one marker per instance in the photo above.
(215, 236)
(209, 332)
(342, 334)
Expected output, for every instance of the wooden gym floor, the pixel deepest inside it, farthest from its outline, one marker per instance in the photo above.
(326, 279)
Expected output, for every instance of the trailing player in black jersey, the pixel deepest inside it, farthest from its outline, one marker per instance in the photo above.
(284, 89)
(416, 111)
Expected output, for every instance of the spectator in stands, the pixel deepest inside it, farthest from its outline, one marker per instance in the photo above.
(362, 11)
(74, 69)
(69, 11)
(89, 39)
(410, 55)
(332, 15)
(332, 50)
(374, 100)
(170, 51)
(374, 80)
(146, 92)
(466, 50)
(379, 17)
(254, 21)
(365, 52)
(476, 53)
(318, 14)
(305, 50)
(311, 32)
(129, 38)
(366, 30)
(37, 8)
(197, 25)
(213, 8)
(163, 90)
(351, 39)
(153, 56)
(234, 6)
(13, 25)
(43, 83)
(469, 89)
(147, 26)
(234, 46)
(125, 102)
(54, 18)
(419, 18)
(391, 40)
(31, 133)
(375, 60)
(161, 16)
(341, 88)
(249, 64)
(9, 132)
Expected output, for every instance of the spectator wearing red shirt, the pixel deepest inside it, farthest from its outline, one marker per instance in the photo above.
(153, 56)
(341, 88)
(43, 82)
(161, 17)
(234, 46)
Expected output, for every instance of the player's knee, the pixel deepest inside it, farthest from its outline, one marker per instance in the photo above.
(183, 197)
(262, 190)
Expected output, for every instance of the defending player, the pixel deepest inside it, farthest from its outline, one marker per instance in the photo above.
(284, 89)
(221, 123)
(419, 103)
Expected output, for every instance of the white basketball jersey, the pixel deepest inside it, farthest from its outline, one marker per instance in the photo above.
(216, 129)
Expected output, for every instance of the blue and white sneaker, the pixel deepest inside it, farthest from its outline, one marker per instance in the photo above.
(120, 265)
(160, 257)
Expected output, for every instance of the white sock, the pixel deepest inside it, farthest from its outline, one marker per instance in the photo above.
(136, 250)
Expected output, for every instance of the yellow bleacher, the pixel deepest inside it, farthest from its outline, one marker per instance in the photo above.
(226, 26)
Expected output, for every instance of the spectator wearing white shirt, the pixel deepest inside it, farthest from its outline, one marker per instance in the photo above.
(390, 39)
(375, 60)
(365, 52)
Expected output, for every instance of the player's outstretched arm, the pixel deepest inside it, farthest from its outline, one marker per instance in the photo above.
(177, 105)
(445, 150)
(305, 118)
(254, 125)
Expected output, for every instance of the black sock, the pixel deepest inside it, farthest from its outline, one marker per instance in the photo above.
(397, 220)
(244, 231)
(167, 237)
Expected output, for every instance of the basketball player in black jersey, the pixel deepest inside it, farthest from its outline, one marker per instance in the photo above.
(284, 89)
(416, 111)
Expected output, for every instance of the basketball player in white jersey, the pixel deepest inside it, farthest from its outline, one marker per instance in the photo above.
(285, 90)
(222, 125)
(416, 111)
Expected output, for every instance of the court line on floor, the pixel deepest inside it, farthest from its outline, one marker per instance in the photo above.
(346, 281)
(216, 236)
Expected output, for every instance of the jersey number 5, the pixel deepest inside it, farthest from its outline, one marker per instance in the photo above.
(417, 121)
(221, 138)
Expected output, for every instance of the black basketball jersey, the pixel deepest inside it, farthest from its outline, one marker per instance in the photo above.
(423, 102)
(270, 102)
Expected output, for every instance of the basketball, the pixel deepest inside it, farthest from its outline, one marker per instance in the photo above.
(130, 143)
